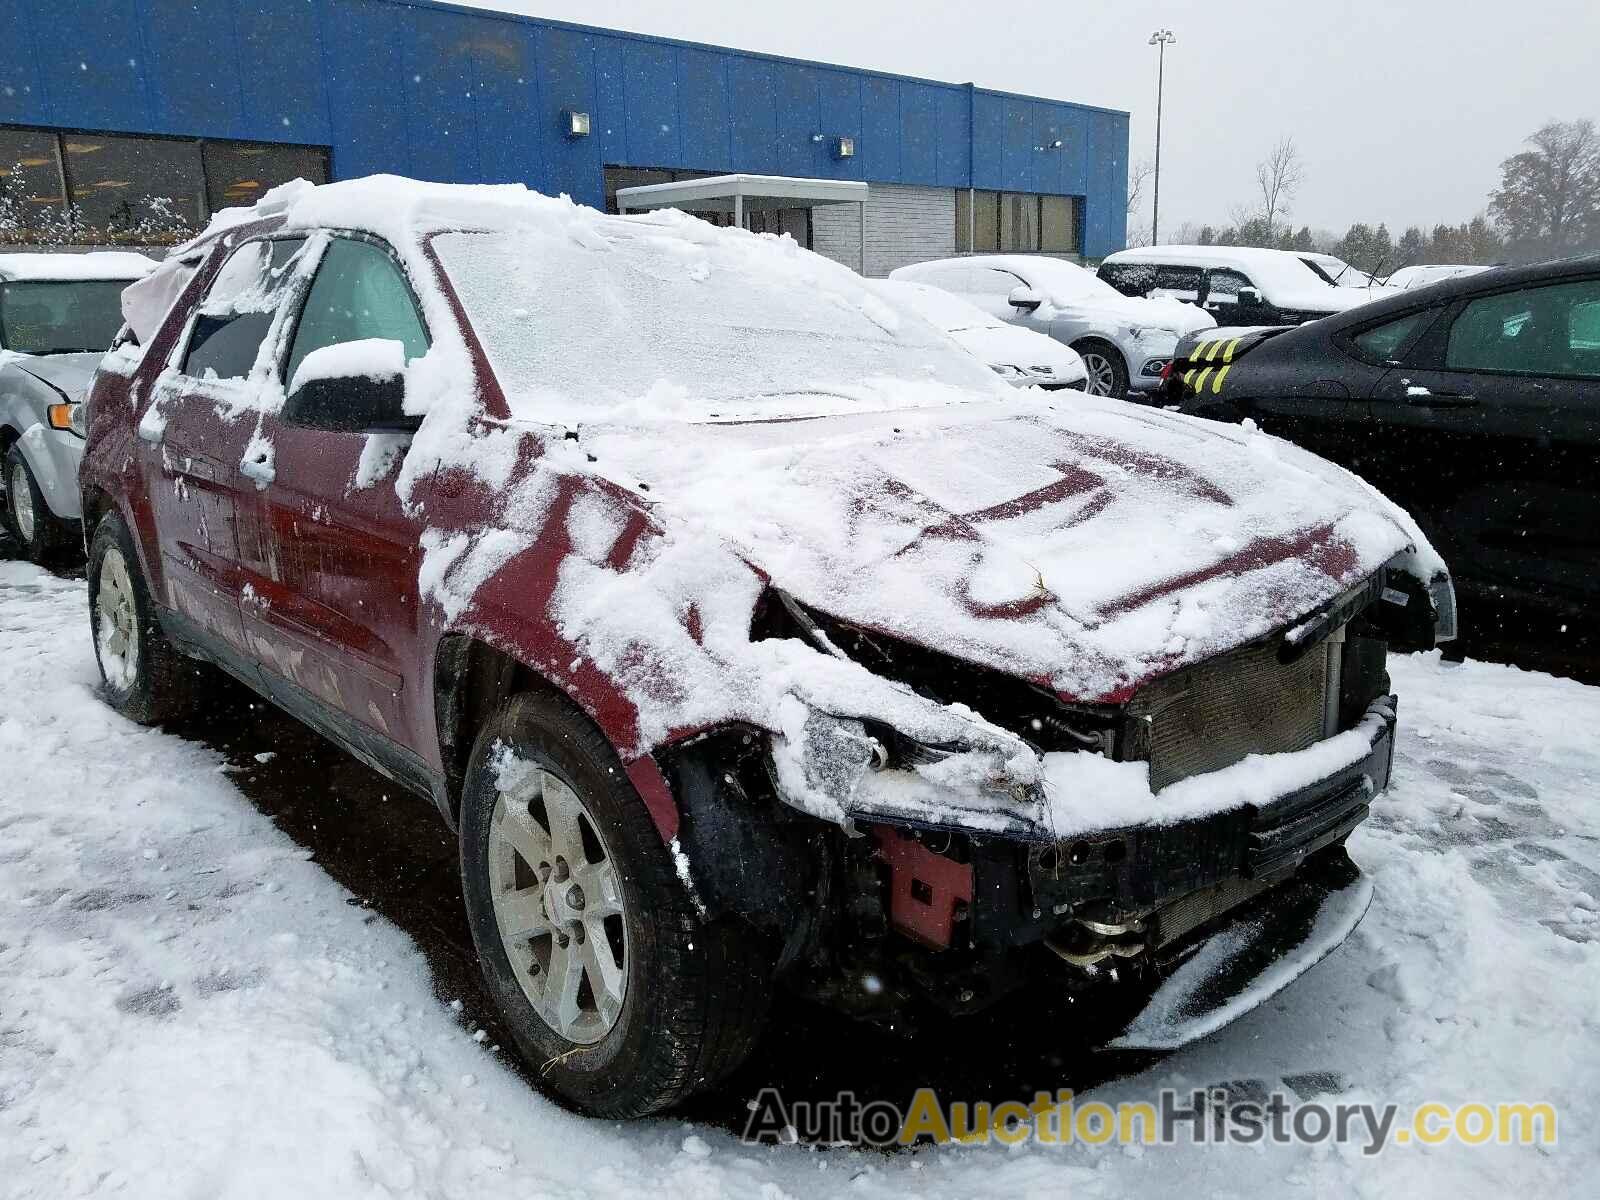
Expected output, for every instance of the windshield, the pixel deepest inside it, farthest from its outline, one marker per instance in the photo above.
(60, 318)
(669, 319)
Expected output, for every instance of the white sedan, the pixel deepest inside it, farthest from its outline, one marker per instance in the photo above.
(1020, 356)
(1125, 342)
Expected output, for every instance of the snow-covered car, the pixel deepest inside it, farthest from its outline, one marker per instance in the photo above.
(1124, 343)
(750, 634)
(58, 313)
(1020, 356)
(1238, 285)
(1421, 276)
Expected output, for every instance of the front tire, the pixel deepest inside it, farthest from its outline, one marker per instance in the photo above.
(146, 678)
(619, 992)
(39, 533)
(1108, 374)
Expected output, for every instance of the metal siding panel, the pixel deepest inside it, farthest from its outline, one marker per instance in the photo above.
(796, 105)
(280, 71)
(954, 167)
(1017, 153)
(879, 148)
(609, 117)
(1105, 216)
(988, 141)
(91, 77)
(438, 79)
(1050, 165)
(703, 120)
(650, 78)
(186, 40)
(919, 133)
(567, 80)
(755, 122)
(839, 106)
(23, 99)
(510, 149)
(369, 133)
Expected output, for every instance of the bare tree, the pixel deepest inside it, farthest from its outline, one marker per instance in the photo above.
(1138, 175)
(1278, 176)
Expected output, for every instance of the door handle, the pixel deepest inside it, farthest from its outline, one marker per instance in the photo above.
(260, 469)
(1444, 400)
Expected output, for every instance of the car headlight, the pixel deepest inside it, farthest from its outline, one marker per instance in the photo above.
(69, 416)
(1006, 371)
(1443, 595)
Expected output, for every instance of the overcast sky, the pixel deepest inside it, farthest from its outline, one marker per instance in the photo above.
(1402, 109)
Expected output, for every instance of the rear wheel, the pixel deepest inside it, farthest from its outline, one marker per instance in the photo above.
(1108, 374)
(39, 533)
(619, 992)
(146, 678)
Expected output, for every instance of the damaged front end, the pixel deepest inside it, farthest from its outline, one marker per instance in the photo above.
(934, 862)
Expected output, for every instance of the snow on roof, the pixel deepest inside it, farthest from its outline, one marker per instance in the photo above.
(1266, 268)
(99, 264)
(1057, 278)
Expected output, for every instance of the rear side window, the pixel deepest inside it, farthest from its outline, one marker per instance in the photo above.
(358, 293)
(1131, 279)
(1387, 342)
(1180, 283)
(1550, 330)
(1225, 285)
(238, 308)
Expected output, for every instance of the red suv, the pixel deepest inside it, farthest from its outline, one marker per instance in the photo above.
(748, 631)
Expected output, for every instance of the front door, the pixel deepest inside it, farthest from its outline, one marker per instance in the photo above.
(1490, 434)
(198, 432)
(333, 616)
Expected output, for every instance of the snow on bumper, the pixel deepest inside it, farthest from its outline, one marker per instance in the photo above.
(834, 767)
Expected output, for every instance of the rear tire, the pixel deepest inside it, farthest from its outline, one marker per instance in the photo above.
(661, 1000)
(41, 536)
(146, 678)
(1108, 374)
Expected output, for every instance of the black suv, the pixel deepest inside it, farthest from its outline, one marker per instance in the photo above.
(1475, 404)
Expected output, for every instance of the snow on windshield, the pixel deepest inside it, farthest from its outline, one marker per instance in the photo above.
(668, 318)
(941, 309)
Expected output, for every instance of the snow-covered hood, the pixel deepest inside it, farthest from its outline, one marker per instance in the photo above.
(69, 374)
(1134, 311)
(1327, 299)
(1090, 545)
(1013, 346)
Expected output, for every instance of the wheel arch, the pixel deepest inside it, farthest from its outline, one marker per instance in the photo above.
(472, 677)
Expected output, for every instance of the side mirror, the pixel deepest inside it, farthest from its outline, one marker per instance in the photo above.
(1024, 298)
(351, 387)
(1249, 297)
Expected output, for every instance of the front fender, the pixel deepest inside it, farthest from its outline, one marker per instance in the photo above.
(53, 456)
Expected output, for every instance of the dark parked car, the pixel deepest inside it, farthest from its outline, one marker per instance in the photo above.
(749, 634)
(1475, 404)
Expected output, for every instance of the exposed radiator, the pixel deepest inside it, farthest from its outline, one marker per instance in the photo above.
(1211, 715)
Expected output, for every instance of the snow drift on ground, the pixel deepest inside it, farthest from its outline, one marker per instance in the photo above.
(189, 1007)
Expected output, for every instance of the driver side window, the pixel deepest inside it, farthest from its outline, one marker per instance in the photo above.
(1225, 285)
(358, 293)
(236, 314)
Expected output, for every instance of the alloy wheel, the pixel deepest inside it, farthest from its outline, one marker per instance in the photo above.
(22, 514)
(558, 905)
(1102, 375)
(117, 622)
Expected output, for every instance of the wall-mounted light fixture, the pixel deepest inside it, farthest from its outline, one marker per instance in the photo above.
(574, 124)
(1055, 145)
(844, 147)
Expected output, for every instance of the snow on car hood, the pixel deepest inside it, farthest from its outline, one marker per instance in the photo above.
(1138, 312)
(68, 373)
(1090, 545)
(1011, 345)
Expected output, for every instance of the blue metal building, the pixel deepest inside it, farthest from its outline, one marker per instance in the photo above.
(250, 89)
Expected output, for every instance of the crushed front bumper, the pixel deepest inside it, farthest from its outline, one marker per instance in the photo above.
(1169, 879)
(1255, 954)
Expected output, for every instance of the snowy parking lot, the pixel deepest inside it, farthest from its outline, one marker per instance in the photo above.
(192, 1005)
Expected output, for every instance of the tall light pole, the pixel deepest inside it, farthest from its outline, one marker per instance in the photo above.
(1161, 39)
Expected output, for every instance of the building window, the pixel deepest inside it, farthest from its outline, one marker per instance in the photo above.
(114, 189)
(1017, 223)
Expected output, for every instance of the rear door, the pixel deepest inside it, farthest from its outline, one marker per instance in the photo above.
(333, 618)
(1489, 433)
(198, 431)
